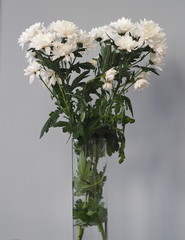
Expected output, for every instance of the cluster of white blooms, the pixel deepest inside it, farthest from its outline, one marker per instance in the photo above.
(29, 33)
(103, 33)
(126, 42)
(61, 39)
(132, 36)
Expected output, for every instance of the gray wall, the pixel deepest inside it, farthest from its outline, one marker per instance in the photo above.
(147, 192)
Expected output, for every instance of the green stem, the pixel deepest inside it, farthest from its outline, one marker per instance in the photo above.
(80, 232)
(102, 231)
(94, 184)
(96, 78)
(67, 104)
(135, 75)
(132, 65)
(54, 95)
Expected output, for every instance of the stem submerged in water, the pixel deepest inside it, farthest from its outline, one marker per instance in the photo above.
(102, 231)
(80, 232)
(88, 196)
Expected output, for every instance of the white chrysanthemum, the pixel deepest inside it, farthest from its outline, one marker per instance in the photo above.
(48, 76)
(122, 25)
(30, 56)
(157, 41)
(103, 33)
(33, 70)
(140, 43)
(108, 79)
(126, 42)
(29, 33)
(134, 30)
(86, 39)
(110, 74)
(107, 86)
(63, 50)
(156, 58)
(143, 75)
(148, 29)
(159, 46)
(141, 84)
(43, 40)
(64, 29)
(153, 35)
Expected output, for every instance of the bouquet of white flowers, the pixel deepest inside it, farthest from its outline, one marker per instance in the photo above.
(90, 96)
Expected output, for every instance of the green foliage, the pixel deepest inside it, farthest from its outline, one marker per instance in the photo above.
(88, 185)
(53, 116)
(76, 81)
(86, 109)
(106, 53)
(87, 179)
(128, 104)
(89, 215)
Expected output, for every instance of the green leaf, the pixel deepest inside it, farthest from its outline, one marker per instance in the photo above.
(82, 114)
(78, 131)
(128, 104)
(111, 140)
(66, 127)
(148, 69)
(60, 124)
(117, 108)
(79, 97)
(84, 166)
(45, 60)
(76, 81)
(77, 54)
(91, 124)
(128, 120)
(106, 57)
(50, 122)
(90, 213)
(86, 65)
(122, 158)
(121, 148)
(115, 58)
(91, 87)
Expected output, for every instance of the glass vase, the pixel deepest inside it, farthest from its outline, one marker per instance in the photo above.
(89, 190)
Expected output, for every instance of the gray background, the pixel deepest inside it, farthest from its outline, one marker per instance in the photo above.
(147, 193)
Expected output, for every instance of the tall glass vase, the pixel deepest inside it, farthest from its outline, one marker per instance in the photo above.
(89, 190)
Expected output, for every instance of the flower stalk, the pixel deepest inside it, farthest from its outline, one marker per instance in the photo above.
(80, 232)
(102, 231)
